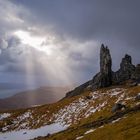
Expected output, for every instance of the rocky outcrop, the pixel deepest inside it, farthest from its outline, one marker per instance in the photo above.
(78, 90)
(136, 74)
(106, 77)
(126, 70)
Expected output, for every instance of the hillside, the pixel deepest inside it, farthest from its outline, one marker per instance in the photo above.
(80, 116)
(43, 95)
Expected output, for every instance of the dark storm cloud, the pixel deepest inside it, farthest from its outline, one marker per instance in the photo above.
(87, 19)
(115, 23)
(87, 22)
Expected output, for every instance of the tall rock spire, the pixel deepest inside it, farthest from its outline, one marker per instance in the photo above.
(105, 66)
(105, 60)
(104, 77)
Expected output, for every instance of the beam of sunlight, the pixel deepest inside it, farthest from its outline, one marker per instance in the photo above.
(37, 42)
(48, 59)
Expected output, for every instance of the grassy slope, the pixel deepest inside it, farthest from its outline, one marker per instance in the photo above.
(127, 128)
(42, 113)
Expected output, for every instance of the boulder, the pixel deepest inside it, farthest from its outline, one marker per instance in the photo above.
(118, 107)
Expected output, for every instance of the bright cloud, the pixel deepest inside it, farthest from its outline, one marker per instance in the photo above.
(27, 39)
(39, 53)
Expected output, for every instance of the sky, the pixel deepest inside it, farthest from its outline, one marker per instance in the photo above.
(57, 42)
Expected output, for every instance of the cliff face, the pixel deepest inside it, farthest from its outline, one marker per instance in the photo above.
(106, 77)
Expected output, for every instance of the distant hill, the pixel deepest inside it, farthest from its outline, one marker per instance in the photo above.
(43, 95)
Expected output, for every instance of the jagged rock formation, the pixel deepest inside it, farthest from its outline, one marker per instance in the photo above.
(106, 77)
(136, 74)
(126, 70)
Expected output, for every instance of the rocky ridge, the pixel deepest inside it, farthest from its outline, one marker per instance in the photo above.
(106, 77)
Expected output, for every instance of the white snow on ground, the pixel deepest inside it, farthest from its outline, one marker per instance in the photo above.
(95, 95)
(78, 109)
(116, 120)
(115, 93)
(4, 115)
(129, 98)
(71, 113)
(25, 134)
(101, 126)
(94, 109)
(89, 131)
(82, 108)
(121, 97)
(80, 137)
(25, 116)
(20, 122)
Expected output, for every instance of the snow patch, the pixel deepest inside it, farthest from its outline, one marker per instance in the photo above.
(121, 97)
(4, 115)
(129, 98)
(25, 116)
(94, 109)
(25, 134)
(101, 126)
(70, 113)
(80, 137)
(89, 131)
(116, 120)
(115, 93)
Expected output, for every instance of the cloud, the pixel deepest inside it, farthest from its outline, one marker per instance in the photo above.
(89, 19)
(115, 23)
(60, 40)
(3, 44)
